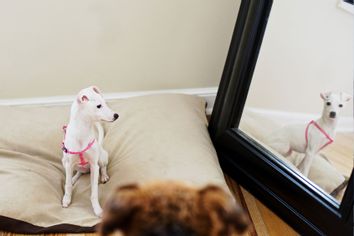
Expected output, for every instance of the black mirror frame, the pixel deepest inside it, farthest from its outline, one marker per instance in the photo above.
(303, 205)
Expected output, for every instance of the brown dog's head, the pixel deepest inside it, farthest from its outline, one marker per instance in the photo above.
(172, 209)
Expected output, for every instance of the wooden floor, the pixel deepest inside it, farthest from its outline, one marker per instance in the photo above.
(264, 221)
(340, 153)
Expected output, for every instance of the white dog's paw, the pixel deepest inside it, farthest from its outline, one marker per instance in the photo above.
(66, 200)
(98, 211)
(104, 178)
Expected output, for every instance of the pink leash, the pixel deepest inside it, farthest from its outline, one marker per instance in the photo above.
(81, 153)
(330, 140)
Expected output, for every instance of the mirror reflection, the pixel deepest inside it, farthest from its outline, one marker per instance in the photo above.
(300, 103)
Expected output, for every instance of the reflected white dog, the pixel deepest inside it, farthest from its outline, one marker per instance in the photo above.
(82, 150)
(312, 137)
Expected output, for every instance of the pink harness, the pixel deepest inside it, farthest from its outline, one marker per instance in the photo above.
(330, 140)
(81, 153)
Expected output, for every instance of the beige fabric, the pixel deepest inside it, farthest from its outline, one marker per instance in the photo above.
(156, 137)
(321, 173)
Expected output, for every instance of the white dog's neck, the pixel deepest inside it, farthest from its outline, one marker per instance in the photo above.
(328, 125)
(81, 124)
(80, 128)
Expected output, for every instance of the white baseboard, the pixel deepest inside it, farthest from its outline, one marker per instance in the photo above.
(345, 123)
(208, 94)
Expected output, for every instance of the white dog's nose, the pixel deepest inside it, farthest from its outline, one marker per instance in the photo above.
(115, 116)
(332, 114)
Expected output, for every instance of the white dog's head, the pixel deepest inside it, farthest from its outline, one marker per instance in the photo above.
(333, 104)
(92, 105)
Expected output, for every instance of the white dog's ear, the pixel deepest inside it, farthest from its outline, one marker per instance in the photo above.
(325, 95)
(96, 89)
(346, 97)
(82, 98)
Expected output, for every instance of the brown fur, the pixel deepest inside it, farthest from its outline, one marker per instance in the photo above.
(172, 209)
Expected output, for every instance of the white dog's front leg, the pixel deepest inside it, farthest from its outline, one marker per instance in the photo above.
(102, 162)
(76, 177)
(68, 184)
(306, 163)
(94, 189)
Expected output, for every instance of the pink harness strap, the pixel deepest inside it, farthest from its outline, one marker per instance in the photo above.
(81, 153)
(330, 140)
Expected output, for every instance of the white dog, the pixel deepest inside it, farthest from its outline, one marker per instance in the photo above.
(311, 137)
(82, 151)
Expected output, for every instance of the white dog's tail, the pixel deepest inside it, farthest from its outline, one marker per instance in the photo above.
(100, 132)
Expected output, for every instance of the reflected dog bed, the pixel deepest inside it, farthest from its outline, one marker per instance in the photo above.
(322, 172)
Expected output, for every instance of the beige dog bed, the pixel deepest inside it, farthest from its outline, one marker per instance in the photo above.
(158, 137)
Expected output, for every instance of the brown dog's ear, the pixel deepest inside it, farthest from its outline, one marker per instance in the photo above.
(119, 209)
(222, 208)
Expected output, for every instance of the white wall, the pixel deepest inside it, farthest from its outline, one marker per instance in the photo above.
(50, 48)
(308, 48)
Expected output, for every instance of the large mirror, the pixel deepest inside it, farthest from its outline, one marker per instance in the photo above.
(299, 105)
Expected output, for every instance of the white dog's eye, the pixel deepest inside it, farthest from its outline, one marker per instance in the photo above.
(328, 103)
(99, 106)
(340, 105)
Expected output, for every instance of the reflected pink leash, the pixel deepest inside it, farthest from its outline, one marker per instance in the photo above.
(330, 140)
(81, 153)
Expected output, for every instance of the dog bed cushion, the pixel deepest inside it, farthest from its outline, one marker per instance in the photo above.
(157, 137)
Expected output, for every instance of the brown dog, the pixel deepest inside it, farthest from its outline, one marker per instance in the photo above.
(172, 209)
